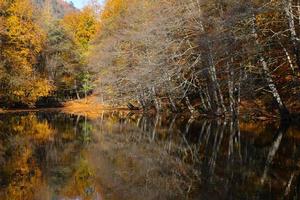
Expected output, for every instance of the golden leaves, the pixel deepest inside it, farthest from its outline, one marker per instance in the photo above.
(22, 9)
(24, 41)
(113, 8)
(82, 25)
(31, 90)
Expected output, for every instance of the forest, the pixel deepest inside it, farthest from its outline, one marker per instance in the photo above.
(210, 57)
(43, 57)
(149, 99)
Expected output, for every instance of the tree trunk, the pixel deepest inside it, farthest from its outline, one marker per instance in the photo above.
(202, 97)
(289, 13)
(231, 89)
(284, 113)
(142, 102)
(290, 61)
(298, 10)
(237, 93)
(172, 103)
(156, 100)
(208, 99)
(211, 93)
(76, 90)
(217, 89)
(189, 105)
(156, 126)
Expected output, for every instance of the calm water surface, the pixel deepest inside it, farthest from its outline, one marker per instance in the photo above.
(54, 156)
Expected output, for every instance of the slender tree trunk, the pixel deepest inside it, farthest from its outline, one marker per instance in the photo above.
(142, 102)
(202, 132)
(189, 105)
(216, 146)
(289, 60)
(201, 94)
(170, 130)
(208, 99)
(238, 93)
(188, 125)
(156, 100)
(231, 141)
(172, 103)
(211, 93)
(298, 10)
(76, 90)
(289, 13)
(213, 75)
(169, 95)
(231, 89)
(156, 126)
(284, 113)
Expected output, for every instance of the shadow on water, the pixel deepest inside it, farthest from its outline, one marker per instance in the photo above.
(121, 155)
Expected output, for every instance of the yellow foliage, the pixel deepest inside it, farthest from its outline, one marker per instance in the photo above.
(32, 127)
(24, 173)
(24, 37)
(26, 183)
(23, 42)
(30, 90)
(82, 25)
(113, 8)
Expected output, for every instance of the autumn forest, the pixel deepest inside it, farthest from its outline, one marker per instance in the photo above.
(206, 57)
(149, 99)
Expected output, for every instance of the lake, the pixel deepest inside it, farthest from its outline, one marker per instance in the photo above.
(121, 155)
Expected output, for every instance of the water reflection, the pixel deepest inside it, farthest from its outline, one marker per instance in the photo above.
(123, 155)
(41, 158)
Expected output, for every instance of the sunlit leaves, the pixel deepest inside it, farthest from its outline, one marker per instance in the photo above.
(82, 25)
(22, 43)
(113, 8)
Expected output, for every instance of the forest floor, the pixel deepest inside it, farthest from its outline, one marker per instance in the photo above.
(89, 107)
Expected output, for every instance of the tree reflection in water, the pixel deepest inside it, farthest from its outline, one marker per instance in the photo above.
(41, 157)
(121, 155)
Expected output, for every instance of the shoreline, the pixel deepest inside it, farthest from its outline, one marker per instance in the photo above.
(91, 108)
(93, 112)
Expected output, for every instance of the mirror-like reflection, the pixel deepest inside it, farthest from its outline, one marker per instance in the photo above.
(41, 157)
(123, 155)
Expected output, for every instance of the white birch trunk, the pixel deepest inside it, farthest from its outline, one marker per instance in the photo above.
(267, 74)
(217, 92)
(289, 14)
